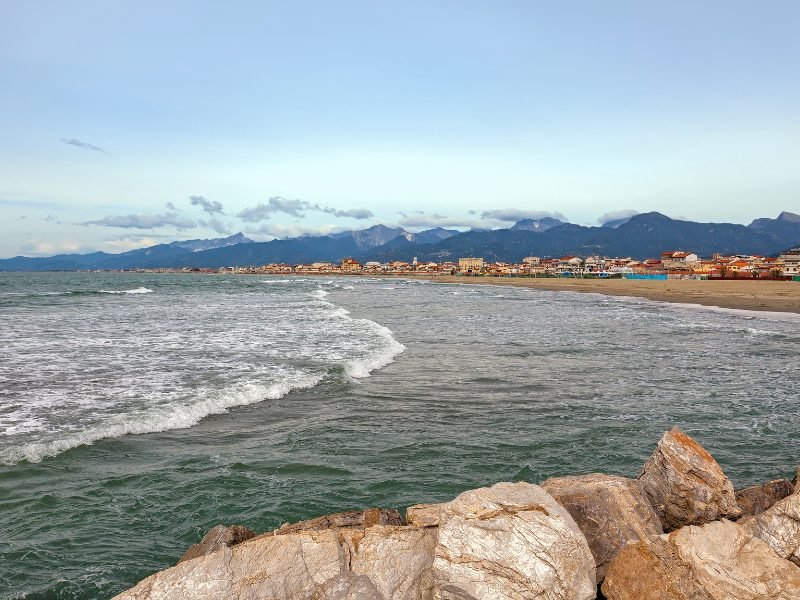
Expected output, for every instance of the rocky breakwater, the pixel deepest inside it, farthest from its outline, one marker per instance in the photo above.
(677, 532)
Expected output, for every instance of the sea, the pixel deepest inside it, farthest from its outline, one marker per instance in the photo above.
(137, 411)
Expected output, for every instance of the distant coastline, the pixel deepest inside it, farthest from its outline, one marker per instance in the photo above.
(772, 296)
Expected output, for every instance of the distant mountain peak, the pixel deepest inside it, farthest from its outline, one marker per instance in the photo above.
(788, 217)
(200, 245)
(538, 225)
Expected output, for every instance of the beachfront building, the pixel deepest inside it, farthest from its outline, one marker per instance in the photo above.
(350, 265)
(791, 263)
(470, 264)
(678, 260)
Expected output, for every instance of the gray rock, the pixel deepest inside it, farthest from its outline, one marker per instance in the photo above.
(511, 540)
(685, 484)
(610, 511)
(756, 499)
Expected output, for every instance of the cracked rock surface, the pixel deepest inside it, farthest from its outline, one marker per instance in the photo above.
(779, 527)
(511, 541)
(718, 561)
(610, 511)
(685, 484)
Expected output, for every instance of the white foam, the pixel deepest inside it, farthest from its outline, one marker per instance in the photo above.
(359, 368)
(139, 290)
(178, 415)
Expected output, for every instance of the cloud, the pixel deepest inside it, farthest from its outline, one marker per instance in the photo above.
(126, 243)
(49, 248)
(170, 206)
(145, 221)
(210, 206)
(84, 145)
(353, 213)
(215, 224)
(515, 214)
(437, 220)
(616, 215)
(297, 209)
(271, 231)
(276, 204)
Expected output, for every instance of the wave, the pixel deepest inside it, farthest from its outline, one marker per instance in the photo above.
(179, 415)
(139, 290)
(288, 280)
(359, 368)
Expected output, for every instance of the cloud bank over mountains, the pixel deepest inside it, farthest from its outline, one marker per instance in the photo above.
(297, 209)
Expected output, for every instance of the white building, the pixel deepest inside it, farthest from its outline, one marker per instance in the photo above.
(791, 262)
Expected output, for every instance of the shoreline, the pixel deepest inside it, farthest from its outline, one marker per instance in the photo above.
(762, 296)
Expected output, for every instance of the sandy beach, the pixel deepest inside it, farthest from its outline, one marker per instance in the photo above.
(778, 296)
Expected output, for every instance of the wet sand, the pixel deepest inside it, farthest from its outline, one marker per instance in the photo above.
(778, 296)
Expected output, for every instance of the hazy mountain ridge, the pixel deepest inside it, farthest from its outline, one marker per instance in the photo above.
(641, 236)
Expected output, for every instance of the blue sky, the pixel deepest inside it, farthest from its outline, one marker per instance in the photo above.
(294, 117)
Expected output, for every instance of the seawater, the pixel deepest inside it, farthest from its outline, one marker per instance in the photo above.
(139, 410)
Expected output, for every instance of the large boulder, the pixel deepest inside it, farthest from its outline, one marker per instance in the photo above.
(217, 538)
(398, 560)
(511, 540)
(756, 499)
(284, 566)
(779, 527)
(610, 511)
(377, 563)
(718, 561)
(685, 484)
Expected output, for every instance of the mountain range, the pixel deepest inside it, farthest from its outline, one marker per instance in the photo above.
(641, 236)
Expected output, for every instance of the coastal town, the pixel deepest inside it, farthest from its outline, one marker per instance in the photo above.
(672, 264)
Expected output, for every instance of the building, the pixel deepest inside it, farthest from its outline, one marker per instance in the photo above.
(791, 263)
(350, 265)
(470, 265)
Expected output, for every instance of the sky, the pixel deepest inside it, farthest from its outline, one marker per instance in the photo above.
(127, 124)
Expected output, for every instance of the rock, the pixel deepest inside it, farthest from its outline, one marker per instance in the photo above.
(348, 586)
(718, 561)
(685, 484)
(610, 511)
(779, 528)
(424, 515)
(398, 560)
(511, 540)
(377, 563)
(353, 518)
(283, 566)
(217, 538)
(756, 499)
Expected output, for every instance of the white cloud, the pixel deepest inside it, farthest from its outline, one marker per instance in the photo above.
(210, 206)
(297, 209)
(49, 248)
(272, 231)
(145, 221)
(426, 221)
(215, 224)
(615, 215)
(516, 214)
